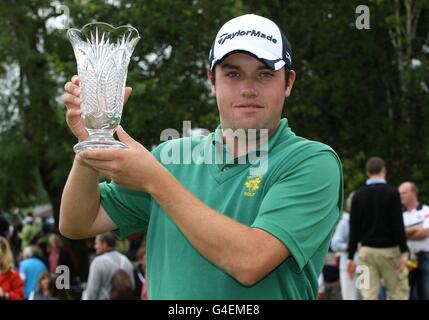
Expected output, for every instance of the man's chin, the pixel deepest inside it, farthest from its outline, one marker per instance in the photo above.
(252, 128)
(246, 130)
(246, 125)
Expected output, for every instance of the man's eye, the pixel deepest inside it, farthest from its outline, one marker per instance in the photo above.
(232, 74)
(266, 74)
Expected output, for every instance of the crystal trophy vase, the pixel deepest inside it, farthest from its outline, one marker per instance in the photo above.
(102, 53)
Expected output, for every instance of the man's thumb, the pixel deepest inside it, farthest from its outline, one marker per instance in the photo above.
(125, 137)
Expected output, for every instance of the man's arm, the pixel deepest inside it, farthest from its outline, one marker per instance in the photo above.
(247, 254)
(81, 215)
(417, 233)
(409, 231)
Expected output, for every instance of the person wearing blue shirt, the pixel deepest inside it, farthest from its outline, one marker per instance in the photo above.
(30, 269)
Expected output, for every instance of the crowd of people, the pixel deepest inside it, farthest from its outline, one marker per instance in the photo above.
(37, 264)
(385, 231)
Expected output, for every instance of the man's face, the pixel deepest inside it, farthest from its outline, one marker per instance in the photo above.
(406, 193)
(99, 245)
(249, 94)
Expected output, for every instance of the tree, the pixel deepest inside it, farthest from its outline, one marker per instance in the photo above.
(33, 133)
(364, 92)
(33, 130)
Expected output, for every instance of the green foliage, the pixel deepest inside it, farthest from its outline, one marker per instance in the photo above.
(349, 92)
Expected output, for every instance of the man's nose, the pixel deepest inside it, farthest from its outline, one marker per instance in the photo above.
(248, 89)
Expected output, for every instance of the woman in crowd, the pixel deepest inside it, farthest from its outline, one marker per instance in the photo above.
(11, 284)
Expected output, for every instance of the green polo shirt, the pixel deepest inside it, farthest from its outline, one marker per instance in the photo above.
(297, 199)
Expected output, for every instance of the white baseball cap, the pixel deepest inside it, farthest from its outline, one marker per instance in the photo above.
(256, 35)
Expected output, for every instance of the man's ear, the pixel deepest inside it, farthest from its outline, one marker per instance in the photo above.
(212, 83)
(290, 80)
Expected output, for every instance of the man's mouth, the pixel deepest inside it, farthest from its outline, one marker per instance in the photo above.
(248, 106)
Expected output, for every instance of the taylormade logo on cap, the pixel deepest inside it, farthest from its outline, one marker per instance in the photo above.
(256, 35)
(252, 33)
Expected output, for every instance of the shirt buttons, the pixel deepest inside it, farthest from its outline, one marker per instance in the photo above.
(225, 169)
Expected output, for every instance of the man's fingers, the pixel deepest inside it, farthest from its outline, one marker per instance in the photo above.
(75, 79)
(400, 265)
(74, 112)
(71, 97)
(71, 101)
(106, 154)
(93, 166)
(126, 138)
(99, 165)
(72, 88)
(128, 91)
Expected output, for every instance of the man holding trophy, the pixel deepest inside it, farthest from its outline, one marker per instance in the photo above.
(219, 230)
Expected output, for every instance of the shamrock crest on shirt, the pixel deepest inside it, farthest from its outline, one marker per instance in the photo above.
(252, 185)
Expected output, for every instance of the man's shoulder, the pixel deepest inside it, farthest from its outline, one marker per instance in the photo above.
(99, 263)
(425, 207)
(122, 256)
(377, 187)
(424, 211)
(361, 192)
(297, 151)
(312, 161)
(292, 139)
(294, 146)
(98, 260)
(113, 256)
(390, 189)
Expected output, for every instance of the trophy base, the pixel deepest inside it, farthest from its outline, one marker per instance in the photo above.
(98, 141)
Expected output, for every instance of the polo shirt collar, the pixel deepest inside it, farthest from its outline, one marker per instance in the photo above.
(221, 148)
(375, 180)
(418, 208)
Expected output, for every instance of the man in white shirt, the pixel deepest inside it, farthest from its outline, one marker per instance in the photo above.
(104, 266)
(416, 222)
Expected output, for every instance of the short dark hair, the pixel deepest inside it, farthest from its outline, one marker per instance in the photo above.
(374, 165)
(108, 238)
